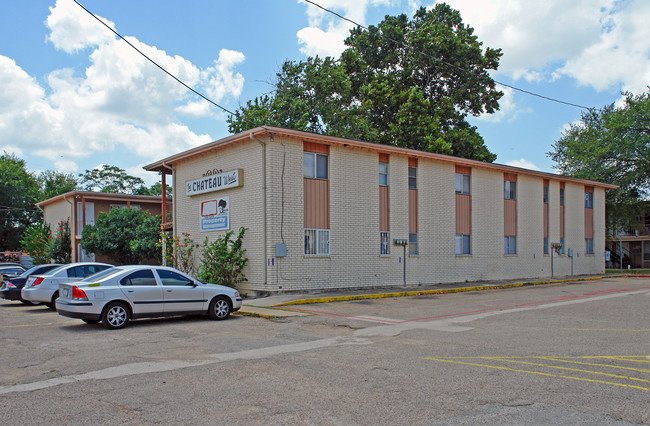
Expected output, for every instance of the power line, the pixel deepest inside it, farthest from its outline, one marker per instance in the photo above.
(155, 63)
(447, 63)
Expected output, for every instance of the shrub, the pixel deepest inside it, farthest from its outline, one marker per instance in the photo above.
(179, 253)
(223, 260)
(35, 241)
(59, 249)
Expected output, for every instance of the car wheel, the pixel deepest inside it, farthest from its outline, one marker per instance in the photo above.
(52, 304)
(115, 315)
(89, 321)
(220, 308)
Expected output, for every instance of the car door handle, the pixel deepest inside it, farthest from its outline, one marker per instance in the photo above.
(130, 291)
(169, 291)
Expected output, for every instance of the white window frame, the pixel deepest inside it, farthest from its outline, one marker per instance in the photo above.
(463, 182)
(383, 173)
(321, 242)
(510, 189)
(314, 172)
(589, 246)
(589, 200)
(413, 244)
(546, 246)
(561, 249)
(384, 243)
(509, 245)
(463, 244)
(413, 177)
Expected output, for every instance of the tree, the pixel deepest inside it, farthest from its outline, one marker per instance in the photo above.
(53, 183)
(408, 83)
(126, 235)
(612, 145)
(59, 249)
(155, 189)
(223, 260)
(110, 179)
(35, 242)
(18, 194)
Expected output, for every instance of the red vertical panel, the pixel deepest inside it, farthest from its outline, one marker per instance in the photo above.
(562, 221)
(318, 148)
(413, 211)
(383, 158)
(413, 162)
(463, 214)
(383, 209)
(316, 209)
(463, 169)
(510, 218)
(589, 223)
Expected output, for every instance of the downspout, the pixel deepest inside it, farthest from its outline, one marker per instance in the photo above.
(263, 202)
(163, 209)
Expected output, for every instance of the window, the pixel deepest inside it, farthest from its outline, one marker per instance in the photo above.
(561, 250)
(144, 277)
(510, 245)
(589, 246)
(561, 196)
(510, 189)
(413, 177)
(462, 184)
(173, 278)
(317, 241)
(413, 243)
(384, 245)
(545, 194)
(589, 200)
(462, 244)
(383, 174)
(545, 245)
(314, 165)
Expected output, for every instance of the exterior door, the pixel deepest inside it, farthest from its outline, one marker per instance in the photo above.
(180, 293)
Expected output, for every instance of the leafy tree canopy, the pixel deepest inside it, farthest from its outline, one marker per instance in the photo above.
(612, 145)
(19, 192)
(408, 83)
(53, 183)
(128, 236)
(110, 179)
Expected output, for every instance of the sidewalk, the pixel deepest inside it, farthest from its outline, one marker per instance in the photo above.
(271, 306)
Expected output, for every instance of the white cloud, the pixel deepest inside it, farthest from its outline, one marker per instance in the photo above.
(326, 33)
(508, 109)
(523, 163)
(74, 29)
(122, 101)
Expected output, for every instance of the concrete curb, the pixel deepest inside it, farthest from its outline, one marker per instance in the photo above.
(426, 292)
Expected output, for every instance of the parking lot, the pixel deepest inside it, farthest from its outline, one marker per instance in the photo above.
(553, 354)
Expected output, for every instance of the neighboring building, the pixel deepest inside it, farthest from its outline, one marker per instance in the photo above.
(633, 244)
(82, 208)
(325, 212)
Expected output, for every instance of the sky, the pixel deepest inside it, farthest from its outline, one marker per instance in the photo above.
(74, 96)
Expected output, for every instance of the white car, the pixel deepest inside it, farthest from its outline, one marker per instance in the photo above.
(122, 293)
(45, 288)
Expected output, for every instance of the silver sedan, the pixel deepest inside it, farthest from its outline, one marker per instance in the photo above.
(122, 293)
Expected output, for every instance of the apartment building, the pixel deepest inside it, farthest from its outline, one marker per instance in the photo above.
(325, 212)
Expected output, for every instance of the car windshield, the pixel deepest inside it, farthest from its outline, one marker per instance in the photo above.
(99, 275)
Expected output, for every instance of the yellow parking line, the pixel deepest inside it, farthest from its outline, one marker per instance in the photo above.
(37, 325)
(569, 369)
(538, 373)
(641, 370)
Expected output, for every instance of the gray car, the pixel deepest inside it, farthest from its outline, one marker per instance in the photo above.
(45, 288)
(120, 294)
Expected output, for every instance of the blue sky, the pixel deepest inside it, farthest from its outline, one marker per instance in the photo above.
(74, 97)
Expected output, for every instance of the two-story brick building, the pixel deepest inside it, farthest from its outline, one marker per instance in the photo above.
(325, 212)
(81, 208)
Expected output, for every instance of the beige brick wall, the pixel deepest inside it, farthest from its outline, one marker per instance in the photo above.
(354, 259)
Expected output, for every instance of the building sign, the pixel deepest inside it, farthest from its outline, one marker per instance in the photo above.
(231, 179)
(215, 215)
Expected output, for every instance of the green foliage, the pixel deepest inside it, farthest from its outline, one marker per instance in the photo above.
(18, 193)
(223, 260)
(179, 252)
(59, 248)
(126, 235)
(155, 189)
(53, 183)
(35, 241)
(110, 179)
(612, 145)
(403, 82)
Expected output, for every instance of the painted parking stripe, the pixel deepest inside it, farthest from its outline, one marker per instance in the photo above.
(540, 373)
(41, 324)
